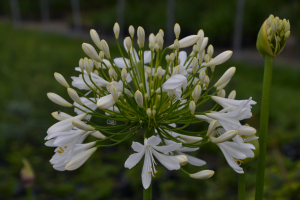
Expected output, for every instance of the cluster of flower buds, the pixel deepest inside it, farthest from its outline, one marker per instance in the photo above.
(138, 93)
(273, 35)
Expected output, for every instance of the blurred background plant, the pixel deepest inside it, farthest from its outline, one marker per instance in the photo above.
(34, 45)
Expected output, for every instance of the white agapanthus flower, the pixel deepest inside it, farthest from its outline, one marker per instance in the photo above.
(139, 93)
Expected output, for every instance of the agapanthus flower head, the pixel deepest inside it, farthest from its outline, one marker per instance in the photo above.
(140, 93)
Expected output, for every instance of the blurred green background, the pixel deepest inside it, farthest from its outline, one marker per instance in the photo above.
(31, 51)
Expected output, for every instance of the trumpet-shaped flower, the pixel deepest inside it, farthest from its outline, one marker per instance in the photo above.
(151, 149)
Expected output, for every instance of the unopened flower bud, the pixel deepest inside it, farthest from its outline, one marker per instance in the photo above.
(90, 51)
(139, 98)
(181, 159)
(167, 76)
(81, 64)
(177, 30)
(167, 57)
(146, 96)
(170, 94)
(95, 37)
(153, 112)
(60, 115)
(98, 134)
(225, 137)
(161, 32)
(287, 35)
(159, 72)
(206, 58)
(212, 126)
(149, 112)
(156, 46)
(105, 48)
(141, 86)
(226, 76)
(197, 93)
(192, 107)
(58, 100)
(81, 125)
(232, 94)
(202, 76)
(206, 81)
(106, 102)
(124, 74)
(101, 55)
(128, 43)
(172, 57)
(221, 93)
(152, 38)
(27, 174)
(195, 49)
(195, 65)
(74, 96)
(112, 73)
(131, 31)
(160, 40)
(204, 43)
(151, 46)
(204, 174)
(116, 30)
(210, 50)
(219, 59)
(61, 79)
(141, 36)
(201, 35)
(176, 70)
(148, 71)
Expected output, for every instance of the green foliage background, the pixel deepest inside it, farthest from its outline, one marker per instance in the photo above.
(29, 59)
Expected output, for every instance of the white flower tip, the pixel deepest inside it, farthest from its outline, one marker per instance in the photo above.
(58, 100)
(205, 174)
(181, 159)
(59, 78)
(81, 125)
(79, 159)
(98, 134)
(60, 115)
(225, 137)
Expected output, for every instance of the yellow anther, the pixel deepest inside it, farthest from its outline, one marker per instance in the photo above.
(151, 167)
(61, 149)
(156, 172)
(65, 147)
(58, 151)
(154, 176)
(238, 160)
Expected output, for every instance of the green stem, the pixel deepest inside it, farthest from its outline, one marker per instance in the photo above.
(241, 195)
(147, 195)
(264, 119)
(28, 191)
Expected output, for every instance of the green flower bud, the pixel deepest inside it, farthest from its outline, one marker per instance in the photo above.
(272, 36)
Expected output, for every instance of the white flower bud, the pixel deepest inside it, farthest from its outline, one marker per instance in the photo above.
(177, 30)
(246, 130)
(170, 94)
(195, 65)
(60, 115)
(201, 34)
(161, 32)
(88, 65)
(181, 159)
(139, 98)
(190, 139)
(141, 36)
(202, 76)
(206, 58)
(112, 73)
(105, 48)
(81, 64)
(172, 57)
(153, 112)
(148, 71)
(131, 31)
(287, 35)
(167, 57)
(141, 86)
(58, 100)
(79, 159)
(149, 112)
(113, 89)
(95, 38)
(151, 46)
(287, 26)
(74, 96)
(219, 59)
(212, 126)
(159, 72)
(232, 94)
(226, 76)
(124, 74)
(206, 81)
(81, 125)
(176, 70)
(156, 46)
(176, 44)
(61, 79)
(192, 107)
(96, 64)
(152, 38)
(128, 43)
(197, 92)
(204, 174)
(90, 51)
(160, 40)
(167, 76)
(101, 55)
(146, 96)
(210, 50)
(116, 30)
(106, 102)
(96, 72)
(204, 43)
(98, 134)
(201, 56)
(221, 93)
(225, 137)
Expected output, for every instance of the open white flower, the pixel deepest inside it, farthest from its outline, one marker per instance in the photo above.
(79, 83)
(174, 83)
(150, 149)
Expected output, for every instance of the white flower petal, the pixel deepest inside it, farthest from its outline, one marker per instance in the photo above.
(169, 162)
(134, 159)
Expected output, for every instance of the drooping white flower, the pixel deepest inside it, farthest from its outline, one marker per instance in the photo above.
(224, 102)
(187, 41)
(79, 159)
(150, 149)
(204, 174)
(174, 83)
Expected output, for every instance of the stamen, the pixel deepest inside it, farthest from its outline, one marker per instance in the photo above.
(238, 160)
(58, 151)
(65, 147)
(61, 149)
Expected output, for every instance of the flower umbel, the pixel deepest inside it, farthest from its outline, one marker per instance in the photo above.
(139, 96)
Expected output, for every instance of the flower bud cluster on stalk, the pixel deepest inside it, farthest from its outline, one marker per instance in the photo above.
(140, 96)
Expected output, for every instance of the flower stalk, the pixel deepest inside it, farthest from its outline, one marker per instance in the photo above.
(263, 133)
(147, 193)
(242, 185)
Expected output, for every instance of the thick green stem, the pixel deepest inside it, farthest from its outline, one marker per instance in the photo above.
(264, 119)
(148, 193)
(242, 185)
(28, 192)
